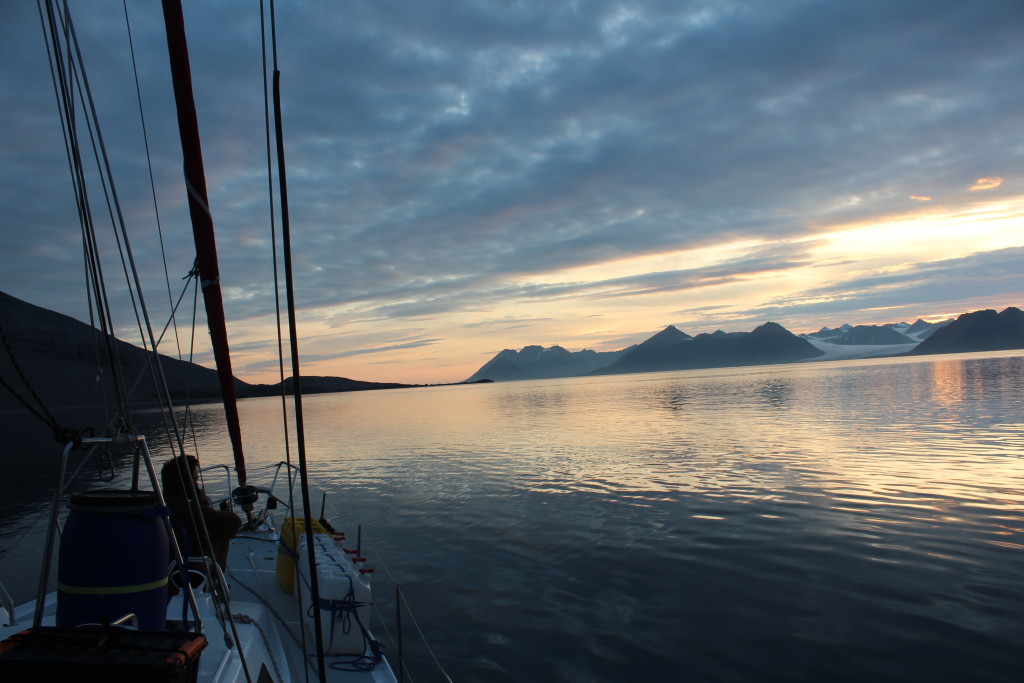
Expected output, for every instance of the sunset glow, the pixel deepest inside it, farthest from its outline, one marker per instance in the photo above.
(546, 174)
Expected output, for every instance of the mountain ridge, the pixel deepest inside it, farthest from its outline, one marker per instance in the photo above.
(983, 330)
(673, 349)
(59, 355)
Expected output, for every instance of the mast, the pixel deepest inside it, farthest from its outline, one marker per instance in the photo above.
(202, 221)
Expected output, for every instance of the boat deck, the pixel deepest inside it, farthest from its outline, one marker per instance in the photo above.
(252, 572)
(266, 625)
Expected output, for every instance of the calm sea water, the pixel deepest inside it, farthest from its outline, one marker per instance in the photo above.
(846, 521)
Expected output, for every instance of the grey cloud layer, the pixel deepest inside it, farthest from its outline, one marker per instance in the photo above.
(441, 153)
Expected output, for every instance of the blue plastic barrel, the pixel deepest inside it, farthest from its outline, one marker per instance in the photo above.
(113, 560)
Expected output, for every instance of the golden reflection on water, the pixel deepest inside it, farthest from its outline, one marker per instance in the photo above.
(948, 381)
(934, 440)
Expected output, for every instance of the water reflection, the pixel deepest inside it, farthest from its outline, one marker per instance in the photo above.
(839, 521)
(947, 382)
(776, 392)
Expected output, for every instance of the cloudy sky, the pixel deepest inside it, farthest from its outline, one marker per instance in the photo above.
(467, 176)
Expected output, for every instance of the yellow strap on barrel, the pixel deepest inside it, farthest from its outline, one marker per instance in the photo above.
(111, 590)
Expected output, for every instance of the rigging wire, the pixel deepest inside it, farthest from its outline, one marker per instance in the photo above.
(152, 182)
(300, 435)
(96, 345)
(190, 277)
(277, 299)
(62, 84)
(99, 148)
(77, 77)
(273, 244)
(286, 237)
(60, 434)
(187, 417)
(189, 413)
(68, 73)
(127, 256)
(193, 273)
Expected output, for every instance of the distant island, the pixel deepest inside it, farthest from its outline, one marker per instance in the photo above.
(673, 349)
(64, 361)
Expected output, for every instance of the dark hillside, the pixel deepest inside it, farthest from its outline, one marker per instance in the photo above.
(978, 331)
(66, 363)
(668, 350)
(651, 355)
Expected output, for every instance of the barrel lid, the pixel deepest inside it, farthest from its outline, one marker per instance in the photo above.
(112, 498)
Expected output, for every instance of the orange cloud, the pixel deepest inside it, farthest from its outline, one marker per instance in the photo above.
(920, 198)
(986, 183)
